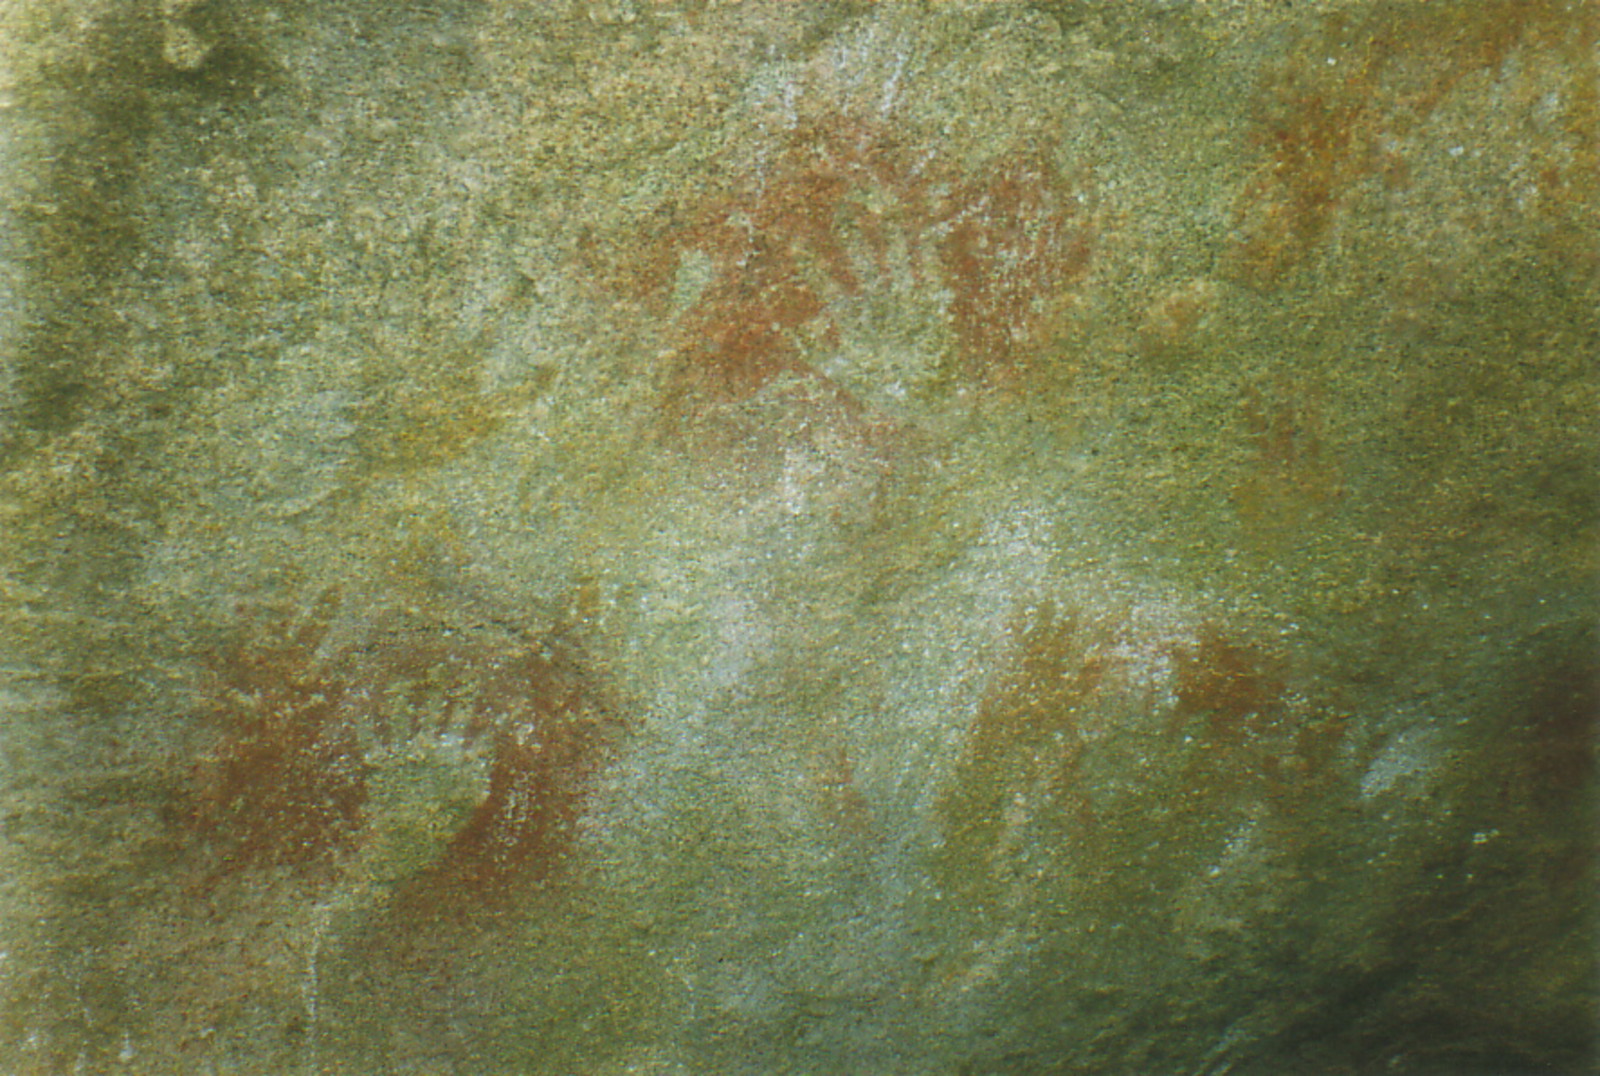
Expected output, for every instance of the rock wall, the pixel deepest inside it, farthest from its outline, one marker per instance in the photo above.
(691, 537)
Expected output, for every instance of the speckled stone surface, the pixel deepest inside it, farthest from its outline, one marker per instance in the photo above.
(964, 538)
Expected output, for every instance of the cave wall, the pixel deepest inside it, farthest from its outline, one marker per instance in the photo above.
(625, 536)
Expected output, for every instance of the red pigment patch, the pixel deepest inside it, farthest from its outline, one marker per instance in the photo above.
(551, 733)
(818, 228)
(1233, 700)
(1026, 741)
(1015, 243)
(1560, 732)
(843, 806)
(1233, 687)
(287, 786)
(1171, 322)
(1048, 678)
(1322, 122)
(1315, 148)
(775, 256)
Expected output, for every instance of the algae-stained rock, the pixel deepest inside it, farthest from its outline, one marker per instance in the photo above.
(760, 537)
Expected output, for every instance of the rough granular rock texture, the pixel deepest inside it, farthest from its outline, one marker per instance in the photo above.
(756, 537)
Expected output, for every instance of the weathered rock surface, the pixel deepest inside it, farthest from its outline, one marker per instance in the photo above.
(629, 536)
